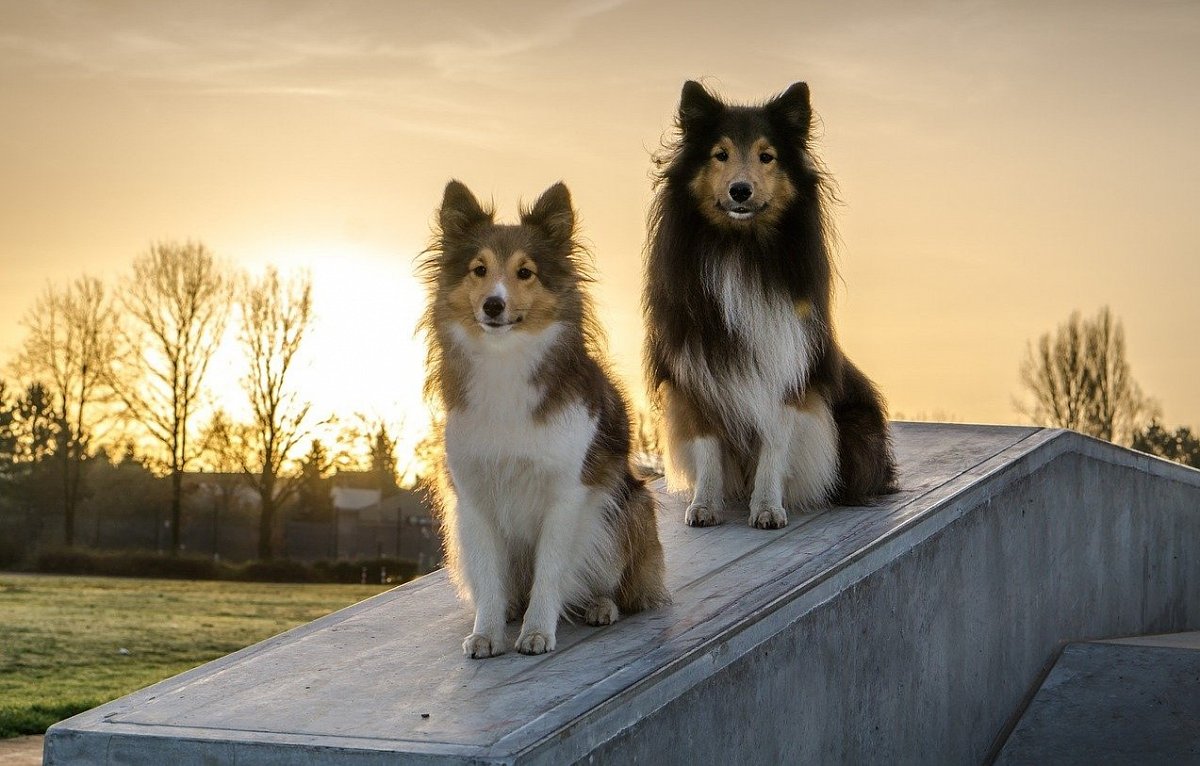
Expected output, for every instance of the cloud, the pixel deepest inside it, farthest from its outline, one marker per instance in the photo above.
(395, 63)
(479, 49)
(241, 48)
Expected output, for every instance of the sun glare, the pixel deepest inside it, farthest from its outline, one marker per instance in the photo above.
(362, 356)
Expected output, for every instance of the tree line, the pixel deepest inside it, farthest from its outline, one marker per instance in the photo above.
(101, 365)
(1079, 377)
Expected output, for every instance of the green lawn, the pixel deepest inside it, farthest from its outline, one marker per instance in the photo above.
(71, 643)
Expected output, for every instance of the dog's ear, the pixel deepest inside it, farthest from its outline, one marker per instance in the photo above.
(793, 108)
(460, 211)
(697, 107)
(553, 214)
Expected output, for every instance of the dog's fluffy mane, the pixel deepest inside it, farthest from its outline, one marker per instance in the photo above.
(565, 267)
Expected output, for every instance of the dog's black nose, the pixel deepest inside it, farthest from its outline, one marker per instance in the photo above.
(740, 192)
(493, 306)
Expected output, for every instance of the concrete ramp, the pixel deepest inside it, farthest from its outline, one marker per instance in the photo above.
(912, 631)
(1133, 700)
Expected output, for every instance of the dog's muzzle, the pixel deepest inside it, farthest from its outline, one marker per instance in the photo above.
(741, 212)
(494, 317)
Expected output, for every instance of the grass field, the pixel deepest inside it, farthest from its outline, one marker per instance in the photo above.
(70, 643)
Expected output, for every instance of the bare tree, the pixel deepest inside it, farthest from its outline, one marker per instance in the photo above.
(276, 316)
(69, 346)
(1079, 378)
(1119, 406)
(176, 304)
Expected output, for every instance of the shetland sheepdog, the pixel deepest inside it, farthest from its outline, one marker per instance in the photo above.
(760, 403)
(542, 512)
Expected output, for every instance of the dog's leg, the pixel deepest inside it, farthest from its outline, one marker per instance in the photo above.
(553, 577)
(766, 501)
(705, 508)
(695, 453)
(483, 568)
(811, 474)
(552, 574)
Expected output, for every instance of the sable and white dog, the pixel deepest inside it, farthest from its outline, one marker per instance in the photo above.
(761, 403)
(542, 513)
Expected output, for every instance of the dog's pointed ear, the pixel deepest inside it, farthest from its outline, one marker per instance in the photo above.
(553, 214)
(697, 107)
(793, 107)
(460, 211)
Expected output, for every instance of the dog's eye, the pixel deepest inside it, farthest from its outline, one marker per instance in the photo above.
(479, 271)
(766, 157)
(524, 273)
(721, 155)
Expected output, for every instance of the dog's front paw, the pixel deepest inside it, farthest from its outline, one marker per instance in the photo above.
(535, 642)
(768, 518)
(478, 646)
(699, 515)
(602, 611)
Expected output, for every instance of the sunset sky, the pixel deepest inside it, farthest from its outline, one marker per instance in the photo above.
(1000, 163)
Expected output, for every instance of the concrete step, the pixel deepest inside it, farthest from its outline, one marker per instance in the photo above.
(1125, 701)
(905, 632)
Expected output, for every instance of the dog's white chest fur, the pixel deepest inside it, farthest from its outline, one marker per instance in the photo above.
(497, 423)
(777, 343)
(495, 446)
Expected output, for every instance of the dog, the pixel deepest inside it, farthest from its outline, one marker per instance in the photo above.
(759, 400)
(542, 512)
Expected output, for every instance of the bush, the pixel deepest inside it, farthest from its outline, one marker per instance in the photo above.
(126, 564)
(78, 561)
(274, 570)
(12, 546)
(398, 571)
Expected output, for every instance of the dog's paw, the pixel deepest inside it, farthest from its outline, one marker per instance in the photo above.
(535, 642)
(698, 515)
(602, 611)
(478, 646)
(768, 518)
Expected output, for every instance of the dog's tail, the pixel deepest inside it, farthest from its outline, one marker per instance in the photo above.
(642, 586)
(867, 465)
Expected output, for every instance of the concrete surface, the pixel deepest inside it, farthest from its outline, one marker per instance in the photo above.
(1123, 702)
(909, 631)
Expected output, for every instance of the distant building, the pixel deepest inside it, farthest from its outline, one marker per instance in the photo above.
(231, 490)
(399, 526)
(349, 499)
(222, 516)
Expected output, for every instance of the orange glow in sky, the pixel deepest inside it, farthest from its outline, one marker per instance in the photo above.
(999, 164)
